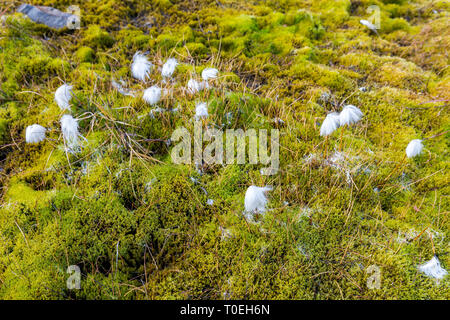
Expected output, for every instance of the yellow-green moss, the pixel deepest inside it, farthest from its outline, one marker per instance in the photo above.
(85, 54)
(121, 201)
(96, 37)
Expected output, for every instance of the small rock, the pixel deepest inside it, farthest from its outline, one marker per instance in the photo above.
(49, 16)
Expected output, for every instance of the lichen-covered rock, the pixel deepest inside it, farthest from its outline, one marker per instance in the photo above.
(49, 16)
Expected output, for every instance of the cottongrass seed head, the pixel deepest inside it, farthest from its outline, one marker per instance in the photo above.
(35, 133)
(140, 67)
(255, 199)
(152, 95)
(201, 110)
(209, 73)
(433, 269)
(69, 127)
(169, 67)
(368, 24)
(63, 95)
(414, 148)
(195, 86)
(350, 115)
(330, 124)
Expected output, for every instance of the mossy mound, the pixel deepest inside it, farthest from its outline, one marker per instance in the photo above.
(141, 227)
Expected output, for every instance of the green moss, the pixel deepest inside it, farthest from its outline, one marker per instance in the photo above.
(400, 73)
(164, 4)
(129, 217)
(85, 54)
(167, 40)
(21, 193)
(390, 25)
(364, 62)
(172, 38)
(321, 75)
(94, 36)
(196, 49)
(241, 24)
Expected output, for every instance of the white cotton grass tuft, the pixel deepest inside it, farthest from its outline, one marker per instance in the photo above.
(140, 67)
(414, 148)
(169, 67)
(369, 25)
(330, 124)
(152, 95)
(349, 115)
(195, 86)
(209, 73)
(201, 110)
(63, 95)
(69, 127)
(433, 269)
(255, 199)
(35, 133)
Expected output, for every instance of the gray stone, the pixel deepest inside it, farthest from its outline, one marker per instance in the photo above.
(49, 16)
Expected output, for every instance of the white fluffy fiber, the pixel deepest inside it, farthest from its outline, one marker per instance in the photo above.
(201, 110)
(152, 95)
(35, 133)
(169, 67)
(368, 24)
(330, 124)
(140, 67)
(63, 95)
(414, 148)
(255, 199)
(69, 127)
(195, 86)
(433, 269)
(209, 73)
(349, 115)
